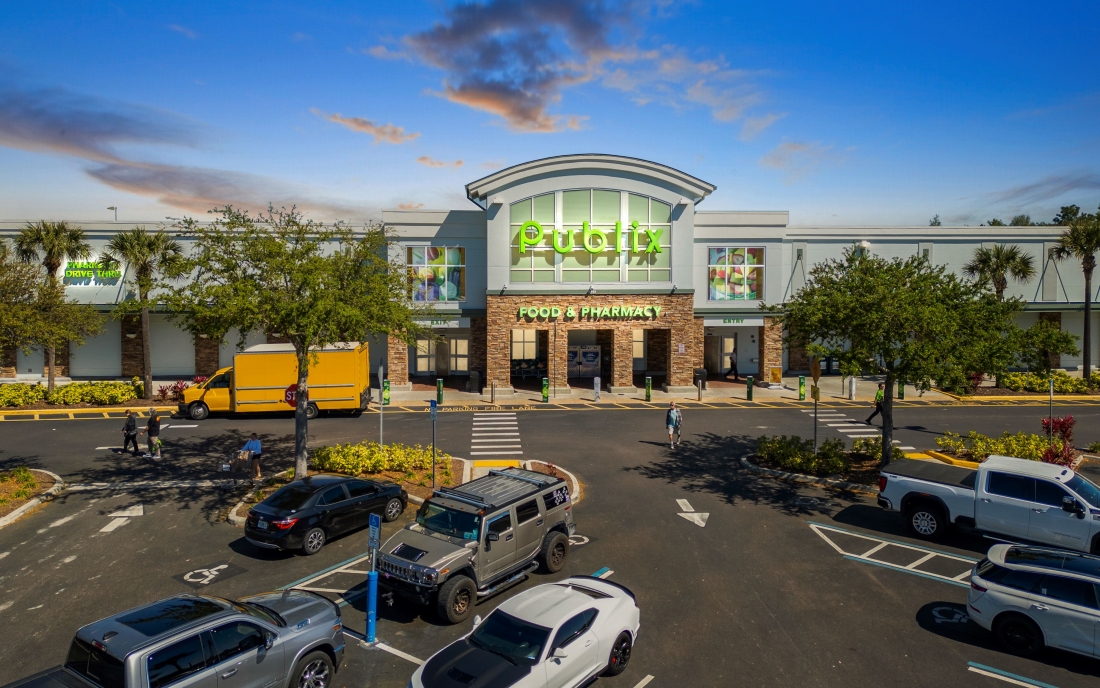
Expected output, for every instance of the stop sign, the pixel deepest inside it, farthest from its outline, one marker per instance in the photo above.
(291, 394)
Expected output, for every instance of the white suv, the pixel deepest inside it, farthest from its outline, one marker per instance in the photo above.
(1034, 596)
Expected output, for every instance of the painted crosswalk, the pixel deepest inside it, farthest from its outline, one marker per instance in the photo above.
(495, 434)
(848, 427)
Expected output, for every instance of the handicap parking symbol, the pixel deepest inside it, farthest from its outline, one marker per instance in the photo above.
(208, 575)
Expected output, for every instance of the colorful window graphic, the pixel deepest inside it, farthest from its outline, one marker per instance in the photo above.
(735, 273)
(438, 273)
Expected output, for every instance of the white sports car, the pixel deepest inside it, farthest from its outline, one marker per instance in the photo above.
(551, 636)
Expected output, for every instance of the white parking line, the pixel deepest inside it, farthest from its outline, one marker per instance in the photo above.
(102, 448)
(495, 434)
(183, 426)
(473, 453)
(605, 574)
(844, 425)
(644, 682)
(398, 653)
(870, 435)
(484, 441)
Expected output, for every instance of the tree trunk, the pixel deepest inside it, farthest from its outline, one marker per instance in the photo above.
(146, 352)
(888, 420)
(1087, 358)
(301, 429)
(51, 361)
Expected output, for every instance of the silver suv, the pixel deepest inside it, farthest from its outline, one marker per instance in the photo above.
(287, 639)
(475, 540)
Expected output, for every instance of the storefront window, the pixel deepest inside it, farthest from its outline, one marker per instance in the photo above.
(524, 345)
(735, 273)
(654, 220)
(534, 263)
(438, 273)
(460, 355)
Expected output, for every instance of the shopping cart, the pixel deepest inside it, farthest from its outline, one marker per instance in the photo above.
(238, 469)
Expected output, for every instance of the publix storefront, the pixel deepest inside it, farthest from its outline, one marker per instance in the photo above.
(580, 266)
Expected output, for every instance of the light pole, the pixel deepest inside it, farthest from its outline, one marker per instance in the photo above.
(114, 208)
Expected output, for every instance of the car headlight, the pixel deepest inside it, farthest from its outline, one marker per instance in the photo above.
(426, 574)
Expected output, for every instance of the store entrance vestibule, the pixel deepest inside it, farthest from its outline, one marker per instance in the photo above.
(716, 352)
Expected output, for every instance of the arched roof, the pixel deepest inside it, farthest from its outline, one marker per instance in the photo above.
(478, 191)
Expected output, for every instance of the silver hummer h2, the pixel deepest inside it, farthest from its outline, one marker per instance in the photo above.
(474, 540)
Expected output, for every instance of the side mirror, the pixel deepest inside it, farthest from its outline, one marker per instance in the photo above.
(559, 653)
(1069, 504)
(492, 537)
(269, 640)
(477, 620)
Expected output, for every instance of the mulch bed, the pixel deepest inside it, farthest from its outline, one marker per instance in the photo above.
(9, 503)
(860, 472)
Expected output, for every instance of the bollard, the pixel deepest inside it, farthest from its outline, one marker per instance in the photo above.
(596, 389)
(493, 392)
(699, 390)
(748, 388)
(901, 389)
(372, 604)
(852, 388)
(802, 388)
(439, 391)
(649, 389)
(546, 390)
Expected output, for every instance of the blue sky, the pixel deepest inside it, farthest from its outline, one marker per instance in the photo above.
(855, 113)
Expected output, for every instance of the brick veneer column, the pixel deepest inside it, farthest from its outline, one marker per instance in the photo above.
(1056, 318)
(605, 339)
(622, 367)
(477, 345)
(207, 356)
(8, 361)
(397, 361)
(657, 351)
(798, 359)
(557, 359)
(498, 332)
(131, 346)
(771, 346)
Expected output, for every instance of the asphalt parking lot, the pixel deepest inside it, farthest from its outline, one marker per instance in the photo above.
(783, 585)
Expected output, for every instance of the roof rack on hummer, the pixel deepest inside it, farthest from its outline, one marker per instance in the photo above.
(499, 487)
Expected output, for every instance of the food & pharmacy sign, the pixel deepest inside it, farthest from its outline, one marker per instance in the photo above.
(589, 313)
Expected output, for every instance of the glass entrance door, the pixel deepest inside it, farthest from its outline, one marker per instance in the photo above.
(425, 357)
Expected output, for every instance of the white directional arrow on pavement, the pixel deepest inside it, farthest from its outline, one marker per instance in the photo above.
(684, 504)
(698, 519)
(129, 512)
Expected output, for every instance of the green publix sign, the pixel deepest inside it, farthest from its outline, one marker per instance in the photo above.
(594, 313)
(593, 240)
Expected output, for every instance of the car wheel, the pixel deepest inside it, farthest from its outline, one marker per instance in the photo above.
(456, 599)
(926, 521)
(313, 671)
(1018, 634)
(198, 411)
(394, 507)
(313, 541)
(311, 411)
(554, 552)
(620, 655)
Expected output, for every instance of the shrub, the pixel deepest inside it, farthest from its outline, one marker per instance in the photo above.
(94, 393)
(198, 379)
(1094, 447)
(978, 447)
(796, 454)
(1036, 382)
(870, 449)
(21, 475)
(369, 457)
(19, 394)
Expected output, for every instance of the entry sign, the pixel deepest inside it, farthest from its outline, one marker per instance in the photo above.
(375, 531)
(815, 369)
(434, 407)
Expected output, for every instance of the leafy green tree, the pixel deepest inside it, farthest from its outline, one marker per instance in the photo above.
(1066, 215)
(903, 319)
(51, 244)
(1021, 221)
(280, 272)
(935, 221)
(20, 284)
(1041, 342)
(146, 255)
(994, 265)
(995, 223)
(1081, 241)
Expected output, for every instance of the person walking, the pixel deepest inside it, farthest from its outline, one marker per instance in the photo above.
(674, 418)
(253, 445)
(130, 433)
(153, 428)
(879, 396)
(733, 366)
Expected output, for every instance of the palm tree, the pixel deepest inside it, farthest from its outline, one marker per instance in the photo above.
(995, 265)
(145, 254)
(1081, 240)
(51, 244)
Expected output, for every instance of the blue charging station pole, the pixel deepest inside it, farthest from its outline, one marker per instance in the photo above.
(372, 577)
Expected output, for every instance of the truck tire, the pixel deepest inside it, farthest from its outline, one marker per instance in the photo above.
(311, 411)
(198, 411)
(456, 599)
(394, 508)
(1018, 634)
(554, 552)
(926, 520)
(312, 671)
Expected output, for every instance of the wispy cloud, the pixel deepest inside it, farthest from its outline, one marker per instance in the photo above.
(1048, 188)
(409, 206)
(388, 133)
(299, 37)
(492, 164)
(384, 53)
(184, 31)
(753, 126)
(432, 162)
(515, 58)
(798, 158)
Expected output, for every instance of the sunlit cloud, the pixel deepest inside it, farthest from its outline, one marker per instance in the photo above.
(183, 31)
(432, 162)
(299, 37)
(753, 126)
(798, 158)
(409, 206)
(388, 133)
(384, 53)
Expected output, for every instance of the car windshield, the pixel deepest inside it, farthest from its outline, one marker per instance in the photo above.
(289, 498)
(1085, 490)
(511, 638)
(447, 521)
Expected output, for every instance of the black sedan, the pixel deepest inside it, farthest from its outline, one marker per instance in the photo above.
(306, 513)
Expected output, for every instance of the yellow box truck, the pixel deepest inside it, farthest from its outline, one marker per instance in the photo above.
(260, 377)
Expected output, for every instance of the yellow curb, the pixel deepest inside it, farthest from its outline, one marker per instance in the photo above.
(35, 413)
(496, 463)
(953, 461)
(917, 455)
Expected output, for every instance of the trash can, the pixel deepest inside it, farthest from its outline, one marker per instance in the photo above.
(700, 375)
(473, 385)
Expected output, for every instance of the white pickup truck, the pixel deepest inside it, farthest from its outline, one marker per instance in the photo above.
(1014, 499)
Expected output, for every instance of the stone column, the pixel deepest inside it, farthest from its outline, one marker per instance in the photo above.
(131, 346)
(207, 356)
(771, 346)
(498, 337)
(397, 362)
(8, 361)
(557, 361)
(622, 364)
(1056, 318)
(477, 345)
